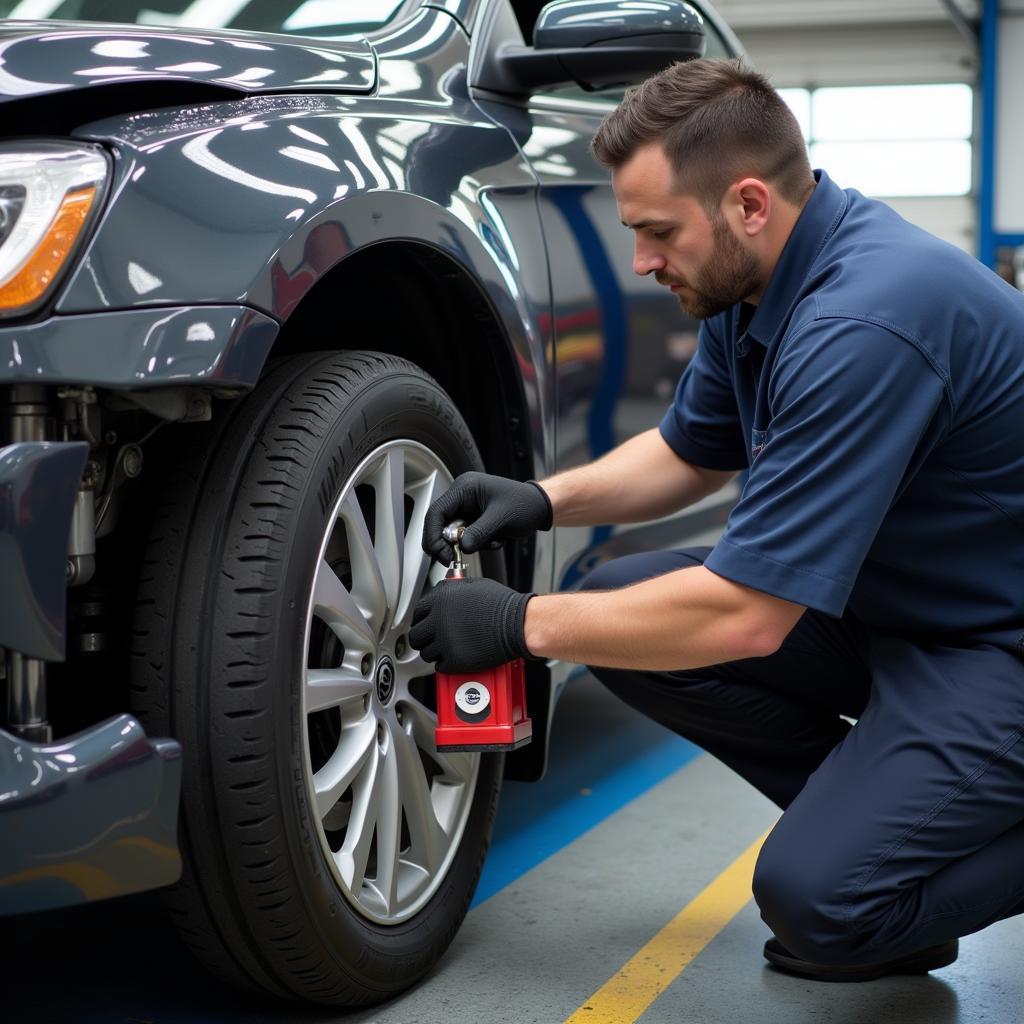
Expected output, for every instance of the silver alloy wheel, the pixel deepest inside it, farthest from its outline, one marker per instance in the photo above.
(391, 809)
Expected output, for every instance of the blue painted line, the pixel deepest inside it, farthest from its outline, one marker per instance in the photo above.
(530, 828)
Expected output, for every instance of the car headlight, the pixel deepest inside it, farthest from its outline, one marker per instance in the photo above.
(48, 193)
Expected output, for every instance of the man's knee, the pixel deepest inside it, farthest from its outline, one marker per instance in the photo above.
(621, 572)
(803, 900)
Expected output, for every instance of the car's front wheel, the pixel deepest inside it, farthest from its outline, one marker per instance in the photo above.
(331, 852)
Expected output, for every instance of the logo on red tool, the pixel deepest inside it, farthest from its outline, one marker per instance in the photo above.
(472, 702)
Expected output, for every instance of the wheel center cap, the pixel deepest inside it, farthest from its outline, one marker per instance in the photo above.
(385, 680)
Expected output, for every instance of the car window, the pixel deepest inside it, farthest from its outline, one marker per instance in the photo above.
(715, 46)
(324, 18)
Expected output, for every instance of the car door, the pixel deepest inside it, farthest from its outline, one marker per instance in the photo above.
(621, 341)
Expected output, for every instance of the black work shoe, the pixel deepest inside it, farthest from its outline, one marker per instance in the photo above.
(921, 962)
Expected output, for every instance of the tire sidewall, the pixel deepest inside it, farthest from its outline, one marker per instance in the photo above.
(402, 405)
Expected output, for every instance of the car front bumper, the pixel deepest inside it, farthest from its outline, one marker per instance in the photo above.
(94, 814)
(91, 816)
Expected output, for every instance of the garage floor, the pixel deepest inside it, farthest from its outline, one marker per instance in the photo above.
(617, 891)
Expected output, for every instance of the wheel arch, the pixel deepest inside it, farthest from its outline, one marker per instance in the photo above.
(411, 299)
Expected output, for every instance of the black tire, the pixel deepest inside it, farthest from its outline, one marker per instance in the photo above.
(219, 635)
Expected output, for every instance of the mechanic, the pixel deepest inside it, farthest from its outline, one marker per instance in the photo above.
(871, 377)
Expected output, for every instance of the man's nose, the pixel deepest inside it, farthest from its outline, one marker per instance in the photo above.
(645, 261)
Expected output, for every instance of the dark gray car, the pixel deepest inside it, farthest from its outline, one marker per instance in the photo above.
(271, 276)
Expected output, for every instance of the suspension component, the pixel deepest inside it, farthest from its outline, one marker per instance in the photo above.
(26, 698)
(26, 417)
(26, 413)
(82, 542)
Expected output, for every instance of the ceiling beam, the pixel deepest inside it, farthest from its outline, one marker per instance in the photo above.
(970, 31)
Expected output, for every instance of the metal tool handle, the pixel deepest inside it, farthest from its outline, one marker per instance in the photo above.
(453, 534)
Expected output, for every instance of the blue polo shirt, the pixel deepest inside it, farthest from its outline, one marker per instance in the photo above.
(877, 395)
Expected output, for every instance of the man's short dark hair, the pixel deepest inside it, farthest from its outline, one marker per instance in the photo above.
(718, 121)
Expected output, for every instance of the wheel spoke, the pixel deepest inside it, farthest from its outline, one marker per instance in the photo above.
(457, 765)
(418, 566)
(425, 831)
(329, 687)
(367, 582)
(336, 606)
(389, 827)
(421, 721)
(344, 765)
(413, 665)
(384, 785)
(417, 561)
(351, 858)
(389, 531)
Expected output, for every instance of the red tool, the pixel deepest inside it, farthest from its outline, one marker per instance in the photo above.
(480, 710)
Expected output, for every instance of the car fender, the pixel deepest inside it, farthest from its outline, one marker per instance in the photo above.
(255, 201)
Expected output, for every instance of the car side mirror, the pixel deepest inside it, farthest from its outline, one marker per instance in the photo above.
(597, 44)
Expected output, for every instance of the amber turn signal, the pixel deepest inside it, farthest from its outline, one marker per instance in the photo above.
(36, 274)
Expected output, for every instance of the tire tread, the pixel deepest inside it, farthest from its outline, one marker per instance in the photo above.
(248, 927)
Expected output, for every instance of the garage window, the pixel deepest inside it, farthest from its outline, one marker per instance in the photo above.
(892, 140)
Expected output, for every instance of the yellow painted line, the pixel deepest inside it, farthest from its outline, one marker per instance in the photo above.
(626, 995)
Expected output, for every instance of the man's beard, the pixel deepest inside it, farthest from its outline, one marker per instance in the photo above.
(728, 276)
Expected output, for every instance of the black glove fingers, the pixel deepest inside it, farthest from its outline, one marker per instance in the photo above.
(422, 633)
(424, 606)
(420, 636)
(443, 553)
(472, 624)
(463, 500)
(483, 529)
(493, 507)
(441, 512)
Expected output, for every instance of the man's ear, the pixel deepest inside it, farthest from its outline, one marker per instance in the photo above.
(748, 203)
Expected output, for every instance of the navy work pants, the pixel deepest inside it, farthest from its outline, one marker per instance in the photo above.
(898, 833)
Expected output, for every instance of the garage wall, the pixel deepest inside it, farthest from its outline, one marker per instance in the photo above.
(854, 42)
(775, 13)
(1009, 199)
(861, 55)
(811, 43)
(952, 218)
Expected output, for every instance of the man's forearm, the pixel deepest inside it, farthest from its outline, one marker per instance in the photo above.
(640, 479)
(685, 619)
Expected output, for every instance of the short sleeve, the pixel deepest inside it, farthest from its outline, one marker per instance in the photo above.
(702, 425)
(854, 410)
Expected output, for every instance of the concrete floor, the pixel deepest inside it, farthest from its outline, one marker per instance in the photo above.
(616, 854)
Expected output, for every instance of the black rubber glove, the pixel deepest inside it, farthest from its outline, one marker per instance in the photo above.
(493, 508)
(470, 624)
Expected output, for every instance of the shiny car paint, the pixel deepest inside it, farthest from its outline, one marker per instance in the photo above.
(44, 57)
(91, 816)
(228, 208)
(261, 198)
